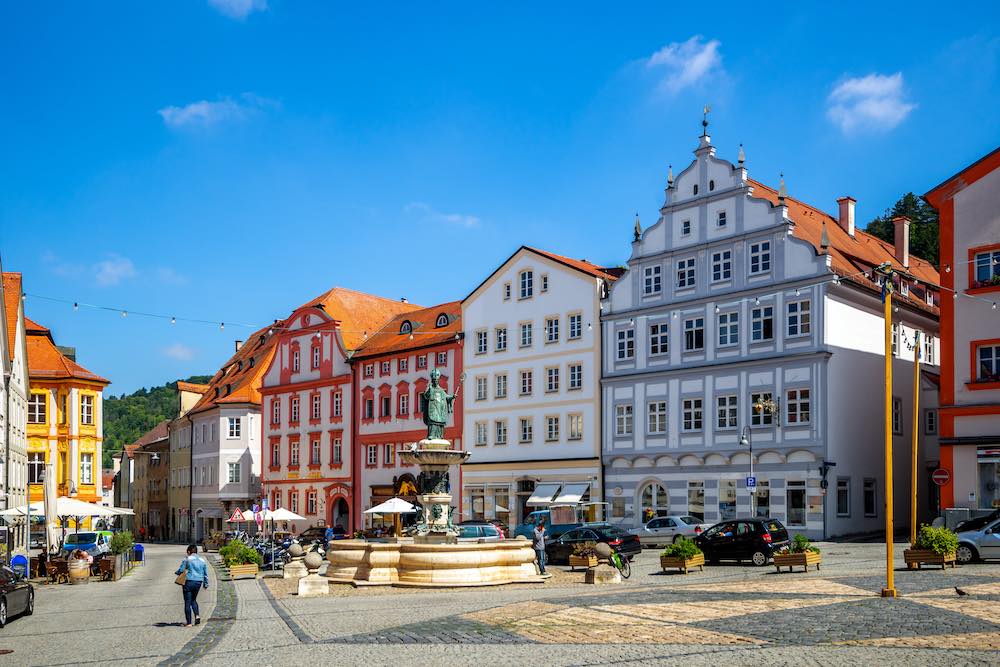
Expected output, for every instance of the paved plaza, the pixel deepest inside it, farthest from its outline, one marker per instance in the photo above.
(724, 615)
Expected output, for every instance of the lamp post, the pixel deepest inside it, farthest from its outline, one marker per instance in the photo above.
(886, 272)
(747, 441)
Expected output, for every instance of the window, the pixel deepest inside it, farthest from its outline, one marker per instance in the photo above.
(843, 496)
(294, 409)
(311, 502)
(87, 409)
(575, 326)
(694, 334)
(526, 383)
(657, 414)
(575, 426)
(315, 357)
(729, 329)
(36, 408)
(63, 410)
(762, 324)
(797, 406)
(691, 414)
(442, 358)
(389, 455)
(314, 410)
(441, 321)
(234, 472)
(897, 415)
(686, 225)
(86, 468)
(626, 343)
(526, 429)
(551, 380)
(314, 453)
(385, 406)
(422, 361)
(727, 415)
(480, 388)
(760, 257)
(406, 327)
(545, 282)
(526, 334)
(293, 501)
(576, 376)
(623, 420)
(871, 508)
(234, 427)
(989, 363)
(36, 464)
(551, 429)
(685, 272)
(696, 499)
(795, 503)
(275, 454)
(372, 453)
(895, 339)
(904, 288)
(930, 422)
(659, 339)
(369, 409)
(722, 265)
(338, 451)
(385, 368)
(481, 342)
(501, 389)
(727, 503)
(720, 221)
(527, 284)
(929, 350)
(402, 365)
(501, 339)
(369, 370)
(652, 280)
(506, 291)
(929, 296)
(987, 267)
(552, 330)
(480, 433)
(764, 416)
(798, 318)
(295, 361)
(293, 457)
(501, 432)
(338, 404)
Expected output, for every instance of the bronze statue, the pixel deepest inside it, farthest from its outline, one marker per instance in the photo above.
(435, 406)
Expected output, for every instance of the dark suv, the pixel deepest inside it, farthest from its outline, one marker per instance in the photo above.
(755, 540)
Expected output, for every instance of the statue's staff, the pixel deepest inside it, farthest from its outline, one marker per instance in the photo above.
(458, 385)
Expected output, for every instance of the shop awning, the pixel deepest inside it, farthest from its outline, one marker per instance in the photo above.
(543, 494)
(572, 493)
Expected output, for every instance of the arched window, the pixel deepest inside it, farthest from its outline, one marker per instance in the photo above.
(406, 327)
(655, 501)
(711, 185)
(695, 188)
(442, 320)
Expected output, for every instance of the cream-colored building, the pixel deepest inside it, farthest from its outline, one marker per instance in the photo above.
(179, 484)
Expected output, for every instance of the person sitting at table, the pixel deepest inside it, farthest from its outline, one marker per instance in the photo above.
(80, 554)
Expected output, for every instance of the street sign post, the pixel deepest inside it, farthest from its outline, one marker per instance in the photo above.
(941, 476)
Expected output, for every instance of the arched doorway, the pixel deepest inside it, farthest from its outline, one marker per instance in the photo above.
(340, 513)
(653, 502)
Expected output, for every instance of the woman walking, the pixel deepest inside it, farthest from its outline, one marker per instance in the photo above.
(195, 571)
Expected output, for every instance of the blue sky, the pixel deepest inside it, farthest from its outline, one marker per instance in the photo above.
(230, 159)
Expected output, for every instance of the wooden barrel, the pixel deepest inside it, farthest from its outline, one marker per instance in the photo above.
(79, 571)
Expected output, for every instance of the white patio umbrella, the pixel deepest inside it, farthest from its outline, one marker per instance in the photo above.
(66, 506)
(35, 508)
(281, 514)
(393, 506)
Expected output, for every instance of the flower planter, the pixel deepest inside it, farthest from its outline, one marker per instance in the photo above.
(248, 571)
(582, 561)
(683, 564)
(916, 557)
(803, 560)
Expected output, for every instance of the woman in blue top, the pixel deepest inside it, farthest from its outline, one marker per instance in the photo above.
(197, 578)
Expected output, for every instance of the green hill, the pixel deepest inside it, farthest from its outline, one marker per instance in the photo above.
(128, 417)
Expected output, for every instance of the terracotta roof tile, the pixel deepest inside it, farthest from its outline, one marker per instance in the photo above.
(607, 273)
(239, 379)
(155, 434)
(45, 361)
(388, 339)
(192, 387)
(11, 302)
(358, 313)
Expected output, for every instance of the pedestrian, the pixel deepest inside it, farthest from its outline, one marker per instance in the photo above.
(195, 571)
(538, 544)
(328, 535)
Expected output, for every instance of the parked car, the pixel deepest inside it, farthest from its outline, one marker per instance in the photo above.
(94, 543)
(527, 527)
(755, 540)
(978, 523)
(980, 544)
(499, 525)
(310, 535)
(17, 595)
(485, 532)
(668, 529)
(560, 549)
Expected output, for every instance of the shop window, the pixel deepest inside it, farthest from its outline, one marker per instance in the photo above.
(795, 503)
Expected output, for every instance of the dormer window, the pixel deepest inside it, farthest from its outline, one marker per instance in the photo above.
(695, 189)
(442, 321)
(930, 297)
(711, 185)
(685, 228)
(406, 327)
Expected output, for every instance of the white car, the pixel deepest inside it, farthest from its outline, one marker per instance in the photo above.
(668, 529)
(979, 544)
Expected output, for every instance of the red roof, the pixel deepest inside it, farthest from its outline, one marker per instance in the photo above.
(45, 361)
(581, 265)
(239, 379)
(191, 387)
(358, 313)
(963, 179)
(156, 434)
(11, 302)
(423, 324)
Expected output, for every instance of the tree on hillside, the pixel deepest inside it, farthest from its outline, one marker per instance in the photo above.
(923, 230)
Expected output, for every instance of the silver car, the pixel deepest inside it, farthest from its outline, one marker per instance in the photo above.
(479, 533)
(979, 544)
(668, 529)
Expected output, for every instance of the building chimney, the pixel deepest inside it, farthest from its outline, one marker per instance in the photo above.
(846, 219)
(239, 344)
(902, 240)
(403, 300)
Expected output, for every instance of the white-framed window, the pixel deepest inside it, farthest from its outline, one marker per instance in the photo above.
(86, 468)
(897, 415)
(904, 288)
(293, 501)
(694, 334)
(656, 413)
(403, 365)
(552, 330)
(369, 409)
(369, 370)
(296, 360)
(729, 329)
(338, 450)
(87, 409)
(691, 414)
(481, 388)
(372, 455)
(987, 268)
(526, 377)
(685, 273)
(422, 361)
(314, 452)
(686, 226)
(930, 422)
(843, 496)
(895, 339)
(545, 282)
(501, 339)
(526, 430)
(338, 404)
(294, 409)
(233, 476)
(575, 326)
(314, 411)
(762, 324)
(623, 419)
(929, 296)
(551, 429)
(527, 282)
(501, 432)
(551, 379)
(525, 334)
(481, 433)
(389, 455)
(988, 366)
(481, 342)
(659, 339)
(797, 407)
(652, 279)
(275, 454)
(385, 406)
(720, 220)
(575, 426)
(870, 497)
(315, 356)
(293, 456)
(37, 408)
(235, 424)
(626, 343)
(576, 376)
(722, 265)
(799, 318)
(760, 257)
(506, 291)
(275, 410)
(762, 417)
(501, 388)
(36, 464)
(727, 412)
(929, 349)
(442, 359)
(311, 502)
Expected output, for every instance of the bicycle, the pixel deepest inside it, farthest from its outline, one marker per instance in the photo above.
(621, 563)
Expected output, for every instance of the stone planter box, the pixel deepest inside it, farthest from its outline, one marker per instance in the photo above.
(582, 561)
(248, 571)
(683, 564)
(916, 557)
(803, 560)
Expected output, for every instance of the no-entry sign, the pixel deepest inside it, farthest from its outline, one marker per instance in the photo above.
(940, 476)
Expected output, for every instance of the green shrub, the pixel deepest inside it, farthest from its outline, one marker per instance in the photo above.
(800, 544)
(585, 549)
(682, 548)
(939, 540)
(121, 542)
(237, 553)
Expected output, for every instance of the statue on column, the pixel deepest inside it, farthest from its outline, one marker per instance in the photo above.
(435, 406)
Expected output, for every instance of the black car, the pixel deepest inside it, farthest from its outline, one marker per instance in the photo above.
(755, 540)
(560, 549)
(310, 535)
(978, 523)
(17, 596)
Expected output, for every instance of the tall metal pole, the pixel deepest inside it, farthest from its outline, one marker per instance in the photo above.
(916, 427)
(753, 491)
(890, 589)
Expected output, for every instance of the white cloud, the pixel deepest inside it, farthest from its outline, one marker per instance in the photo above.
(685, 64)
(113, 270)
(428, 213)
(238, 9)
(179, 352)
(62, 268)
(873, 102)
(168, 276)
(206, 114)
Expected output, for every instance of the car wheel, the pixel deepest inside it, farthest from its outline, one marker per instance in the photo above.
(966, 553)
(29, 608)
(3, 612)
(759, 558)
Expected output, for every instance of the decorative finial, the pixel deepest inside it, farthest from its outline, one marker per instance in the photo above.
(741, 157)
(670, 175)
(824, 240)
(782, 191)
(704, 120)
(637, 230)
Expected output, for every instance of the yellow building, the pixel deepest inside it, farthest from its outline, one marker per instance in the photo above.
(65, 420)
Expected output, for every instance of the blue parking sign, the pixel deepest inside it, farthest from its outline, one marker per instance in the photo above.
(751, 482)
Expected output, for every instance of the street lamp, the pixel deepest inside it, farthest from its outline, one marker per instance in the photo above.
(747, 441)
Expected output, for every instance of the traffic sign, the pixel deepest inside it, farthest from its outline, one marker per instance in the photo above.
(751, 482)
(237, 516)
(941, 476)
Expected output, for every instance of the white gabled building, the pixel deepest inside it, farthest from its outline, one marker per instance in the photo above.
(729, 302)
(531, 399)
(13, 408)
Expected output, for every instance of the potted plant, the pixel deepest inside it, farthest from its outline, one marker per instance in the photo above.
(935, 546)
(682, 554)
(120, 545)
(801, 552)
(242, 560)
(584, 555)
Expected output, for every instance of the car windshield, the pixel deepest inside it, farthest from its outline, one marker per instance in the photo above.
(81, 538)
(691, 520)
(610, 531)
(468, 531)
